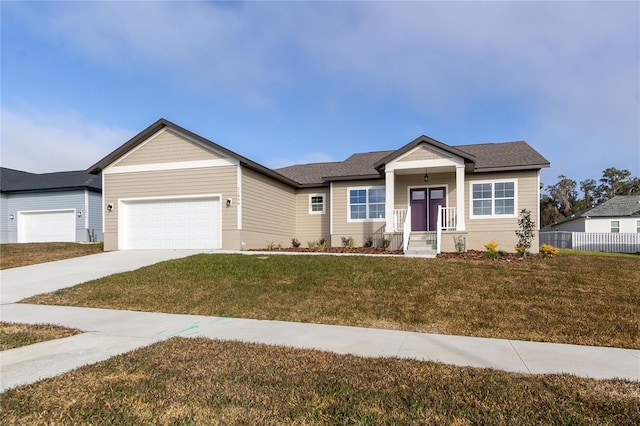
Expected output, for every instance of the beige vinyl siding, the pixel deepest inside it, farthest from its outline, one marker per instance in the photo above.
(422, 153)
(268, 211)
(312, 227)
(167, 147)
(502, 231)
(360, 230)
(171, 183)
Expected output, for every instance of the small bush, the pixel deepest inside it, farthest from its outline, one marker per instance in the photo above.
(295, 243)
(322, 244)
(547, 250)
(386, 243)
(311, 244)
(368, 242)
(271, 245)
(347, 242)
(492, 250)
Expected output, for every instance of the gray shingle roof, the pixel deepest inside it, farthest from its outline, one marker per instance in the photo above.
(16, 181)
(620, 205)
(488, 157)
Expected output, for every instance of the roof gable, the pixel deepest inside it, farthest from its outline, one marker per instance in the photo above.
(427, 142)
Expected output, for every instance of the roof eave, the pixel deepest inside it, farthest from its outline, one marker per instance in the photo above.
(352, 177)
(468, 158)
(511, 168)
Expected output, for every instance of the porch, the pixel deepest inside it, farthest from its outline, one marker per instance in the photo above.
(424, 242)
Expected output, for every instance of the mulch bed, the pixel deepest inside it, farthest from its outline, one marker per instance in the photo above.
(467, 255)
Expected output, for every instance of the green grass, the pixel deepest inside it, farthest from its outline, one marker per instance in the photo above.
(200, 381)
(563, 299)
(14, 335)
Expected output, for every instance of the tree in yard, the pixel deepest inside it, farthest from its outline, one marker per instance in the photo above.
(525, 232)
(617, 182)
(589, 188)
(564, 195)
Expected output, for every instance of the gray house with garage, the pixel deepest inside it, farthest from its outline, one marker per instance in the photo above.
(50, 207)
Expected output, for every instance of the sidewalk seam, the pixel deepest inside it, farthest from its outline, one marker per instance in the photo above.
(518, 353)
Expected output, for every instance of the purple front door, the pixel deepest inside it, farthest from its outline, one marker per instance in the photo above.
(418, 209)
(436, 198)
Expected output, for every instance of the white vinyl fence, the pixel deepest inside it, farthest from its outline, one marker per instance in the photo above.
(592, 241)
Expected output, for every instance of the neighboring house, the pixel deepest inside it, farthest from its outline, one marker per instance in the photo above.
(170, 188)
(48, 207)
(620, 214)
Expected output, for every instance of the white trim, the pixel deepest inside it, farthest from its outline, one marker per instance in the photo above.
(427, 187)
(637, 226)
(324, 203)
(390, 194)
(103, 205)
(492, 182)
(122, 202)
(422, 164)
(331, 203)
(367, 188)
(239, 196)
(177, 165)
(86, 209)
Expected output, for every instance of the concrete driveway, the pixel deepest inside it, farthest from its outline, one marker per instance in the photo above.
(18, 283)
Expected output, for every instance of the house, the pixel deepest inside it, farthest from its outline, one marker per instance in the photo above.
(170, 188)
(620, 214)
(48, 207)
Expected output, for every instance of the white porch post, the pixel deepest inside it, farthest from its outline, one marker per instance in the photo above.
(389, 185)
(460, 225)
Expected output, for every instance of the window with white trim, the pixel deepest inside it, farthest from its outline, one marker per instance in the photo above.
(316, 204)
(615, 226)
(366, 203)
(493, 199)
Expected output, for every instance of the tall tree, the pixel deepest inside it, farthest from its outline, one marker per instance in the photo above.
(613, 182)
(589, 188)
(564, 195)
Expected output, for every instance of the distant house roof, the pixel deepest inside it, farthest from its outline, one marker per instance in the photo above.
(18, 181)
(618, 206)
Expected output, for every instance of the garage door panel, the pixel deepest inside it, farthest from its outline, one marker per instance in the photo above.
(172, 224)
(47, 226)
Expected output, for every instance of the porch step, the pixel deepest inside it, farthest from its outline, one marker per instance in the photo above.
(422, 244)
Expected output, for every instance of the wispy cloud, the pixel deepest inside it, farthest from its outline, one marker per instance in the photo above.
(45, 141)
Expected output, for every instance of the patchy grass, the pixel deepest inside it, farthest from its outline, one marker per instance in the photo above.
(598, 253)
(24, 254)
(564, 299)
(14, 335)
(200, 381)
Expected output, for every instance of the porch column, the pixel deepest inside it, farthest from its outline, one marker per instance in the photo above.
(389, 185)
(460, 225)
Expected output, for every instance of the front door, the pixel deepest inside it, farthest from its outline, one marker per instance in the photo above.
(418, 209)
(436, 198)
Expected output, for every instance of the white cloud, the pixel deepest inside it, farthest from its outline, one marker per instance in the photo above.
(40, 142)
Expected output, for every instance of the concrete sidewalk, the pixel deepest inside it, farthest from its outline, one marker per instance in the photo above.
(111, 332)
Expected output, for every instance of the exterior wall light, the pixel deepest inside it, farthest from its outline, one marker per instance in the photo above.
(79, 214)
(12, 216)
(109, 207)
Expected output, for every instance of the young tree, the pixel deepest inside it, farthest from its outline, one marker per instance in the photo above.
(525, 233)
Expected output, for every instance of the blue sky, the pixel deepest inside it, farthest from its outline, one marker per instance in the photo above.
(295, 82)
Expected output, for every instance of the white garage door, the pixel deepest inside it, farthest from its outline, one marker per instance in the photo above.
(171, 224)
(47, 226)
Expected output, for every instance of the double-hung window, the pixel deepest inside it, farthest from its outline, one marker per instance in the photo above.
(366, 203)
(316, 204)
(615, 226)
(493, 199)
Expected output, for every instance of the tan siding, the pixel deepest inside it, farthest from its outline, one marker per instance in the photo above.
(341, 228)
(423, 153)
(481, 231)
(311, 227)
(167, 147)
(170, 183)
(268, 211)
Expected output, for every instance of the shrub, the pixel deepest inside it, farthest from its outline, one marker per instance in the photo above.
(347, 242)
(547, 250)
(526, 232)
(322, 244)
(386, 243)
(295, 243)
(461, 243)
(492, 250)
(311, 244)
(270, 245)
(368, 242)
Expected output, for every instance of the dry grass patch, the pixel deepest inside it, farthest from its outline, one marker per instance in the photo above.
(24, 254)
(565, 299)
(14, 335)
(200, 381)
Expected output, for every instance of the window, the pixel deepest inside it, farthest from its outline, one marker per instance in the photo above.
(615, 226)
(316, 204)
(366, 203)
(493, 199)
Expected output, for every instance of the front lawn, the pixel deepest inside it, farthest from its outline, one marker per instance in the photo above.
(14, 335)
(565, 299)
(24, 254)
(200, 381)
